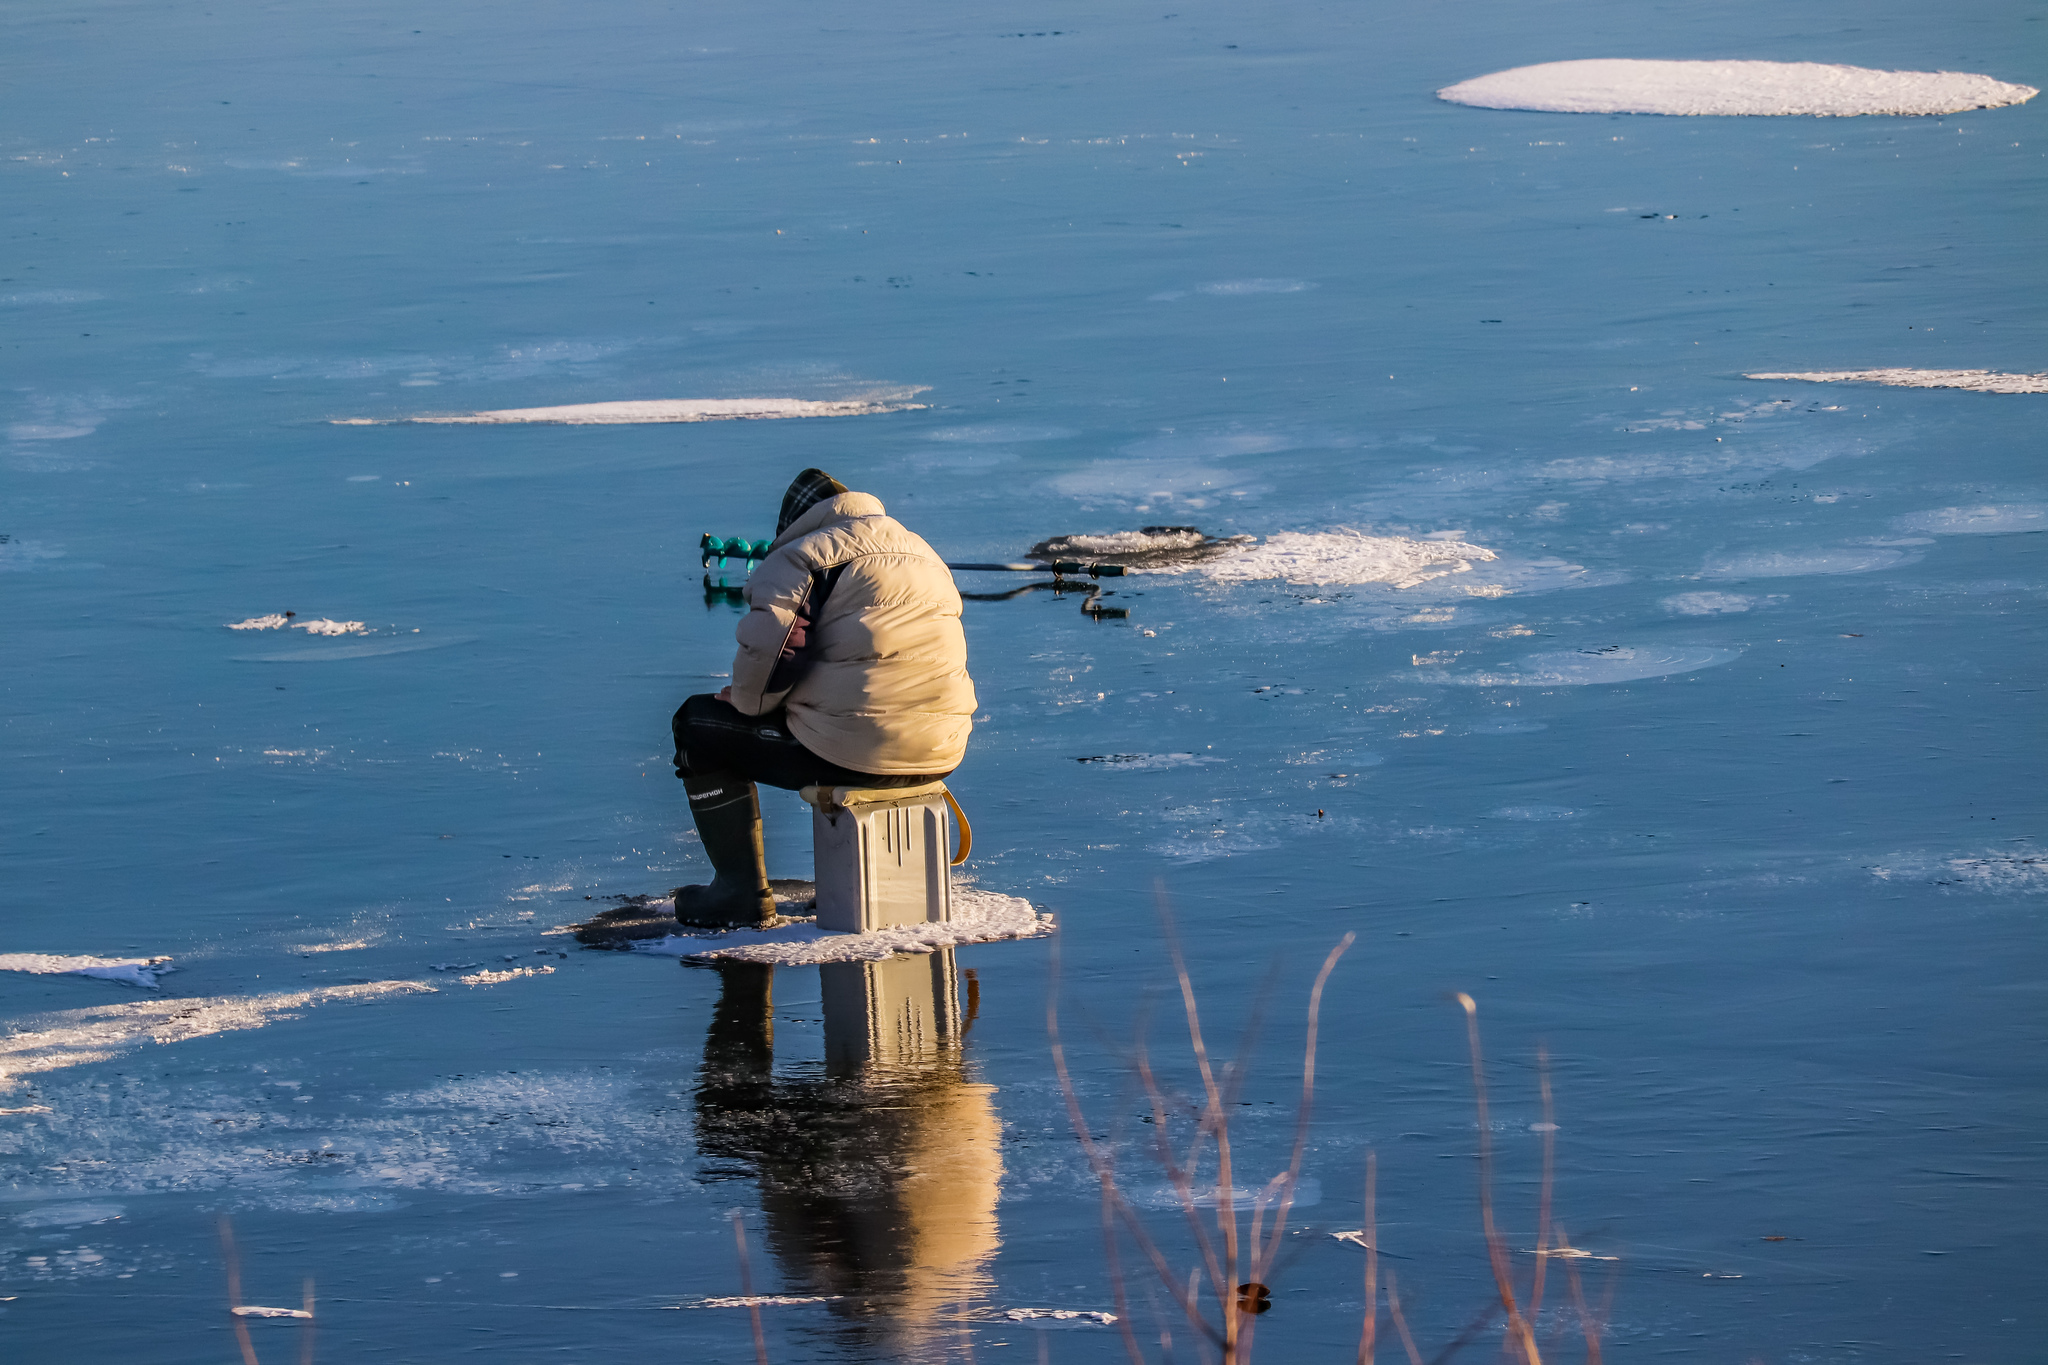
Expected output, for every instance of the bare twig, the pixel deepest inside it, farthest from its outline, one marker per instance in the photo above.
(1099, 1160)
(232, 1259)
(1368, 1336)
(1214, 1119)
(1496, 1247)
(306, 1333)
(1400, 1323)
(739, 1237)
(1263, 1254)
(1587, 1323)
(1549, 1184)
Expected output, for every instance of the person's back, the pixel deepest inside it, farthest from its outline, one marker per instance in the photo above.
(878, 680)
(851, 671)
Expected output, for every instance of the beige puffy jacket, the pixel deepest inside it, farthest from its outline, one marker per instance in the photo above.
(881, 685)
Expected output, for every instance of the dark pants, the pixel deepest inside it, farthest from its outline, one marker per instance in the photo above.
(713, 740)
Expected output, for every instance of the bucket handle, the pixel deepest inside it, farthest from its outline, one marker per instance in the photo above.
(966, 830)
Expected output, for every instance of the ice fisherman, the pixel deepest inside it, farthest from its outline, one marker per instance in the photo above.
(851, 671)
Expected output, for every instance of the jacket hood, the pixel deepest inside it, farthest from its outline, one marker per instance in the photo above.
(845, 507)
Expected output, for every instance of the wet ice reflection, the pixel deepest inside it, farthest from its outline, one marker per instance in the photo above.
(878, 1173)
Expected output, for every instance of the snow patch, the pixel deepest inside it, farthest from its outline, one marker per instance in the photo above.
(1995, 872)
(1058, 1315)
(1345, 556)
(1148, 762)
(68, 1215)
(130, 971)
(666, 410)
(1798, 563)
(2008, 519)
(1536, 813)
(1583, 667)
(79, 1037)
(978, 917)
(1709, 603)
(1977, 381)
(1632, 86)
(1235, 287)
(490, 978)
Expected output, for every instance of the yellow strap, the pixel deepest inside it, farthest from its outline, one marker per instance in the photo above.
(966, 830)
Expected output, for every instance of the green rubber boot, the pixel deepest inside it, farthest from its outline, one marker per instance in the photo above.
(728, 816)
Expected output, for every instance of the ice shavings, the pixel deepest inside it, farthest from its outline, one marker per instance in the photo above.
(1345, 556)
(1997, 872)
(1633, 86)
(130, 971)
(76, 1037)
(2008, 519)
(1148, 762)
(1581, 667)
(1977, 381)
(978, 917)
(670, 410)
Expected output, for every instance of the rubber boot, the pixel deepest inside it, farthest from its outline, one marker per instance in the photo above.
(728, 816)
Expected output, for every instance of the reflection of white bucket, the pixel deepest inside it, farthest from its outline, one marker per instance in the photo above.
(881, 856)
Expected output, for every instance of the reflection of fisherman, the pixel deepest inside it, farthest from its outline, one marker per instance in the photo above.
(879, 1179)
(851, 671)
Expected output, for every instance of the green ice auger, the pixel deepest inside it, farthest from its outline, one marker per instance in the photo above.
(737, 547)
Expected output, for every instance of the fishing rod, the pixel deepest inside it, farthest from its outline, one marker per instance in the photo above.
(750, 552)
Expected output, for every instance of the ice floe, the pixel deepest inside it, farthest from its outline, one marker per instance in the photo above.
(250, 1310)
(1999, 519)
(1978, 381)
(274, 621)
(1582, 667)
(978, 917)
(764, 1300)
(131, 971)
(665, 410)
(1614, 85)
(1343, 556)
(50, 1042)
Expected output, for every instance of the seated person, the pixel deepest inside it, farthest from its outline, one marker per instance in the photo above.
(851, 672)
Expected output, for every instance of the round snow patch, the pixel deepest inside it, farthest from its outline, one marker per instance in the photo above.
(1628, 86)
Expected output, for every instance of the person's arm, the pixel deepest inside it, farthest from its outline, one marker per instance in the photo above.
(777, 598)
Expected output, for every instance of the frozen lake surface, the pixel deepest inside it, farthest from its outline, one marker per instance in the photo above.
(1666, 710)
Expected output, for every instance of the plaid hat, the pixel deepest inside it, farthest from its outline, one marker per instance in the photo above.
(809, 489)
